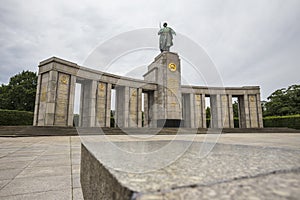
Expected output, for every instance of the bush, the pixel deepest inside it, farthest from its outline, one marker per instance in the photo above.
(236, 122)
(291, 121)
(208, 122)
(76, 120)
(15, 117)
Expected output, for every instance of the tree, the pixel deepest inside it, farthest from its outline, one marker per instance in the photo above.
(20, 92)
(4, 97)
(207, 112)
(283, 102)
(235, 107)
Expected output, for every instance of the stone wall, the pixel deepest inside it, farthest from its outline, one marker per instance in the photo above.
(97, 182)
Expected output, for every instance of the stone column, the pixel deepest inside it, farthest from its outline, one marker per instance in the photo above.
(244, 111)
(51, 97)
(122, 111)
(219, 111)
(47, 98)
(198, 113)
(81, 106)
(126, 107)
(139, 107)
(203, 111)
(71, 100)
(101, 104)
(188, 104)
(146, 110)
(213, 111)
(247, 111)
(255, 112)
(108, 104)
(216, 115)
(88, 105)
(259, 111)
(253, 118)
(225, 111)
(118, 111)
(230, 110)
(62, 98)
(43, 99)
(92, 106)
(192, 110)
(37, 101)
(133, 107)
(186, 110)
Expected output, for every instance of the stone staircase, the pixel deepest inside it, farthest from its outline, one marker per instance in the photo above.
(31, 131)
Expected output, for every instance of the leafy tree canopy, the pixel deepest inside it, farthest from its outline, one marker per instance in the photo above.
(283, 102)
(20, 92)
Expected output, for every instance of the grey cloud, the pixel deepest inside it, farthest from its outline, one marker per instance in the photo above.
(251, 42)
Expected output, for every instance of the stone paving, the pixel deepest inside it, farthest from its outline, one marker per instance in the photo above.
(49, 168)
(40, 168)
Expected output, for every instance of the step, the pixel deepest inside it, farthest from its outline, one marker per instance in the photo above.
(29, 131)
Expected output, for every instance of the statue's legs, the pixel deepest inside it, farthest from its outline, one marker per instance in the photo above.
(165, 49)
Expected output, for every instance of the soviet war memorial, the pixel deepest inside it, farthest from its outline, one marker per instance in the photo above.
(167, 103)
(150, 114)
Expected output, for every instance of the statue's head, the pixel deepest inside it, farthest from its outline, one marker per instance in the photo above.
(165, 24)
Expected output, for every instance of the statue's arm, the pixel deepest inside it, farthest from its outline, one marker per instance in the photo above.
(173, 32)
(160, 31)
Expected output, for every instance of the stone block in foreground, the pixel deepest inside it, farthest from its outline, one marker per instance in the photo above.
(227, 172)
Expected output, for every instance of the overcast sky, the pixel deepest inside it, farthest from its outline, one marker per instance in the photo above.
(251, 42)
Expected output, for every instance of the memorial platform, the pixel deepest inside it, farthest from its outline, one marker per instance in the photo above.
(249, 166)
(239, 166)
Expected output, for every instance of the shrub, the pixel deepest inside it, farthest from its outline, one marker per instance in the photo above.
(76, 120)
(208, 122)
(290, 121)
(236, 122)
(15, 117)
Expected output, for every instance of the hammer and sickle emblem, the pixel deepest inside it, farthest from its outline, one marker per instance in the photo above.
(172, 67)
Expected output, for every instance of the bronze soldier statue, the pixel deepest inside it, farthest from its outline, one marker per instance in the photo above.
(166, 37)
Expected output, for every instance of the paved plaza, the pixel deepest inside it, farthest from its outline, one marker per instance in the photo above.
(49, 168)
(40, 168)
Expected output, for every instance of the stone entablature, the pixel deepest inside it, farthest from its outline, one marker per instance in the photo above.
(165, 99)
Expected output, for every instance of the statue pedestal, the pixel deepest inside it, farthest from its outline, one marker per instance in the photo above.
(165, 107)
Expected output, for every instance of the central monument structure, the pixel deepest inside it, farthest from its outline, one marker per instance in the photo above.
(167, 103)
(166, 73)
